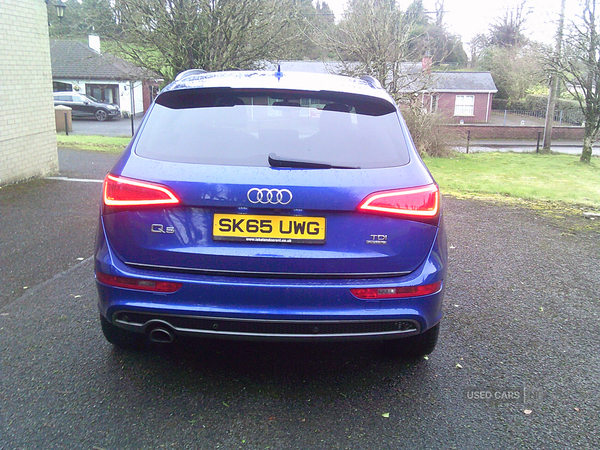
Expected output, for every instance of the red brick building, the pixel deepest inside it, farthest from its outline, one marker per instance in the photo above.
(463, 97)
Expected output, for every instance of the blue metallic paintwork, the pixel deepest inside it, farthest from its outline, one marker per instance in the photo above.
(191, 244)
(268, 298)
(273, 299)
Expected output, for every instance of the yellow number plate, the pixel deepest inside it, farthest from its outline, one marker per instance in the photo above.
(277, 229)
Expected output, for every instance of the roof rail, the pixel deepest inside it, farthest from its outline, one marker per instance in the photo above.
(372, 81)
(189, 73)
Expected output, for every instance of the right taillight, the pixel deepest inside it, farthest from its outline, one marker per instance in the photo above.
(397, 292)
(121, 191)
(419, 203)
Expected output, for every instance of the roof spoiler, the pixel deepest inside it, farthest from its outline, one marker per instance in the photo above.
(189, 73)
(374, 82)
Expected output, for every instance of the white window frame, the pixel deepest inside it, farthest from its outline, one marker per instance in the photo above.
(433, 103)
(464, 105)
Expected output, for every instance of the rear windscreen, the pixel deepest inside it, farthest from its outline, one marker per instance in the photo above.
(242, 128)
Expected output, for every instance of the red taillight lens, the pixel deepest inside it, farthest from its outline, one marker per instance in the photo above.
(120, 191)
(396, 292)
(138, 284)
(420, 202)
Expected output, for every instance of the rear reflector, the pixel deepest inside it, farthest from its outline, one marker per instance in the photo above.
(120, 191)
(423, 202)
(138, 284)
(396, 292)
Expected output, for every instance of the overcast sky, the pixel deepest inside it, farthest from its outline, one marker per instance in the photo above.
(470, 17)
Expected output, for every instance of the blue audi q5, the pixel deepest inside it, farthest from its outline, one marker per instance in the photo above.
(271, 206)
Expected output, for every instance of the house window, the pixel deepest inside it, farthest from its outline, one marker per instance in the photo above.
(464, 105)
(108, 93)
(433, 107)
(58, 86)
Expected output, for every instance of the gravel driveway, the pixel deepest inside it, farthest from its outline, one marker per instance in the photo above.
(521, 326)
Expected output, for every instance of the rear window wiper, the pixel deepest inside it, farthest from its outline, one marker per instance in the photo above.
(276, 161)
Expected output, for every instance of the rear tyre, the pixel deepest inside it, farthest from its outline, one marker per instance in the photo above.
(415, 346)
(122, 338)
(101, 115)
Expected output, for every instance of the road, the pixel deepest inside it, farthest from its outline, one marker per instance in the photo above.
(115, 127)
(522, 322)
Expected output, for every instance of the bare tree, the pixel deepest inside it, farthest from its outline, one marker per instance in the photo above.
(508, 31)
(515, 69)
(514, 61)
(439, 13)
(169, 36)
(579, 69)
(478, 45)
(374, 39)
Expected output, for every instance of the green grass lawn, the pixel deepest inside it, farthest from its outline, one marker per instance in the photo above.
(93, 143)
(527, 176)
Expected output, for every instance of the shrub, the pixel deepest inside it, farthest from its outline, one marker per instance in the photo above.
(539, 89)
(518, 105)
(536, 102)
(429, 134)
(540, 102)
(499, 103)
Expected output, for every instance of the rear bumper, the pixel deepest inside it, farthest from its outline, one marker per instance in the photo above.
(265, 329)
(271, 309)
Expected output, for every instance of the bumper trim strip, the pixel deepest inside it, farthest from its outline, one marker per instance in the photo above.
(251, 274)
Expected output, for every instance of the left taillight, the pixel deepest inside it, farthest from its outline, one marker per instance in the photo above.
(138, 284)
(420, 203)
(121, 191)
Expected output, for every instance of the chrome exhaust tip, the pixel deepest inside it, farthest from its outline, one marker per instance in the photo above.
(161, 335)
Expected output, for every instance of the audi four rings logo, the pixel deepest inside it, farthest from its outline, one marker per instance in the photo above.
(269, 196)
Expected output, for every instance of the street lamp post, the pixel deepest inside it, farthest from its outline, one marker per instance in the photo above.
(60, 8)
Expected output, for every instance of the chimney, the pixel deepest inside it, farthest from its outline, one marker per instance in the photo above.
(426, 63)
(94, 42)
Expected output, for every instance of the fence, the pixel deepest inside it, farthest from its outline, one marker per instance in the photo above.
(532, 118)
(514, 132)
